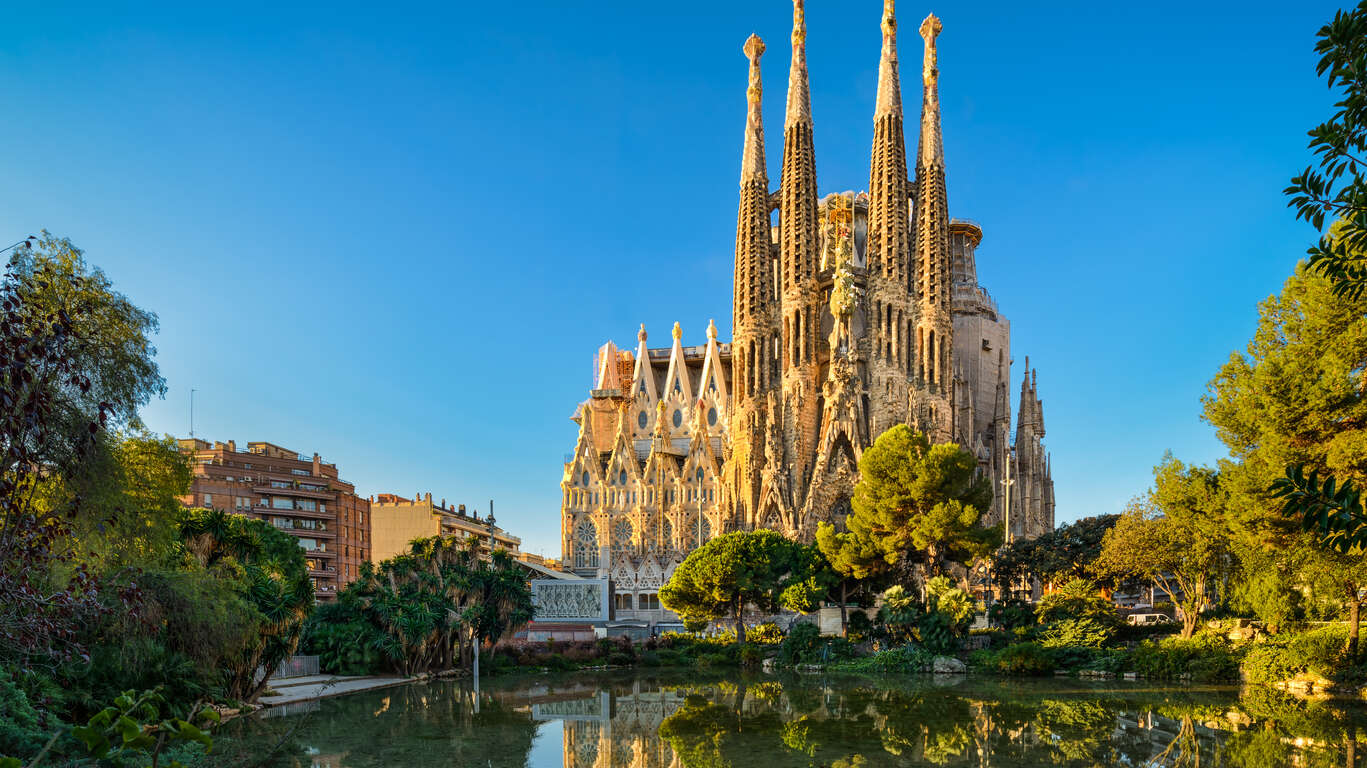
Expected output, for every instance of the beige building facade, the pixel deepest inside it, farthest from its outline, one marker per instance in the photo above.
(396, 521)
(854, 313)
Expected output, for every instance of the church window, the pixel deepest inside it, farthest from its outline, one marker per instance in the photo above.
(712, 417)
(699, 474)
(623, 601)
(621, 536)
(641, 419)
(585, 545)
(667, 533)
(622, 477)
(584, 478)
(678, 417)
(648, 601)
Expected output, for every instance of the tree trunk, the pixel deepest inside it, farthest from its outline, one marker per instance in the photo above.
(1189, 619)
(740, 623)
(1354, 615)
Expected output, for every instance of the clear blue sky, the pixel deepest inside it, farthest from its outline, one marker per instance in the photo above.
(395, 234)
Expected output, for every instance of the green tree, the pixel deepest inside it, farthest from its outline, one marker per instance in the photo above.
(1060, 555)
(915, 501)
(75, 359)
(430, 608)
(274, 574)
(1295, 399)
(1176, 536)
(760, 568)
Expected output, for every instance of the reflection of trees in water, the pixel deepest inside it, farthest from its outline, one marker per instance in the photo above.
(411, 725)
(685, 720)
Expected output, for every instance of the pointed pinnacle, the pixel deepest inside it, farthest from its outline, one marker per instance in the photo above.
(799, 93)
(889, 88)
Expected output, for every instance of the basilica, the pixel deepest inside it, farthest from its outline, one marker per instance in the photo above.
(852, 313)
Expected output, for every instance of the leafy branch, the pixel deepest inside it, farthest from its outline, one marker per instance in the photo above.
(1330, 509)
(1337, 191)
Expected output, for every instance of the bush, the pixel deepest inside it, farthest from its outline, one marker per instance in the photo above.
(1317, 652)
(21, 731)
(937, 632)
(751, 655)
(858, 626)
(801, 645)
(1076, 599)
(1081, 633)
(1012, 613)
(767, 633)
(1204, 658)
(1018, 659)
(905, 659)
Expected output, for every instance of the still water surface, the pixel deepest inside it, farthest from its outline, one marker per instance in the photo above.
(694, 720)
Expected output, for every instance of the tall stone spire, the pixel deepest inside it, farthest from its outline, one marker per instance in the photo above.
(802, 304)
(754, 270)
(797, 197)
(889, 240)
(935, 326)
(754, 345)
(891, 309)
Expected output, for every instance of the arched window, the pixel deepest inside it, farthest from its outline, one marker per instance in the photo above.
(585, 545)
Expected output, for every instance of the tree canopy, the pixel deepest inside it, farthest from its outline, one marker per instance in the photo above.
(745, 568)
(1055, 557)
(1176, 536)
(914, 502)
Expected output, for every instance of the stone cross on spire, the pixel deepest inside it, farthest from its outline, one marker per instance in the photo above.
(889, 89)
(752, 160)
(932, 147)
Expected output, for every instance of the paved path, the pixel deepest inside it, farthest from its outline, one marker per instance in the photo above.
(290, 690)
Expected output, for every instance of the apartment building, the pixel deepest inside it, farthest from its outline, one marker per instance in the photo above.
(298, 494)
(396, 521)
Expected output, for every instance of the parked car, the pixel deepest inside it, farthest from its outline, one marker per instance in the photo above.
(1148, 619)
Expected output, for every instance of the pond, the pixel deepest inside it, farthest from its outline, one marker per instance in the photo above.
(688, 718)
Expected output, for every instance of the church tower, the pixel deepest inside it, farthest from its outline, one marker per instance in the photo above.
(802, 306)
(931, 401)
(890, 306)
(752, 350)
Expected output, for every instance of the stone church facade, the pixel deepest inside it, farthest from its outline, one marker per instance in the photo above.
(851, 314)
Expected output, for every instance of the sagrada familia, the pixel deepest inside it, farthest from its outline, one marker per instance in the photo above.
(855, 313)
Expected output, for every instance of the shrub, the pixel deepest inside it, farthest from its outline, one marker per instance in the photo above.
(21, 731)
(713, 660)
(858, 626)
(1012, 613)
(751, 655)
(1081, 632)
(1018, 659)
(1204, 658)
(1076, 599)
(650, 659)
(1317, 652)
(801, 645)
(767, 633)
(936, 631)
(907, 658)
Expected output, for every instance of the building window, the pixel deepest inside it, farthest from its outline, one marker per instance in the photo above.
(306, 504)
(711, 417)
(585, 545)
(208, 499)
(649, 601)
(622, 477)
(280, 502)
(678, 417)
(281, 484)
(621, 536)
(623, 602)
(642, 419)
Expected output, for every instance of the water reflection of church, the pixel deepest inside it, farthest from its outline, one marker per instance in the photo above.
(609, 730)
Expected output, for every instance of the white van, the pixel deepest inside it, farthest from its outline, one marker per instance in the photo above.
(1148, 619)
